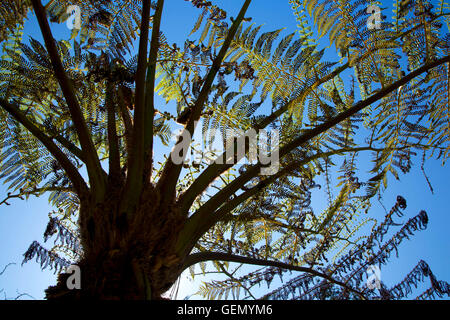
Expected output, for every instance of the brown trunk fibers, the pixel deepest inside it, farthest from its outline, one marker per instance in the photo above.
(125, 256)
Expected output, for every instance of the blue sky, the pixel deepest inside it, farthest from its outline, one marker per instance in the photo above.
(25, 221)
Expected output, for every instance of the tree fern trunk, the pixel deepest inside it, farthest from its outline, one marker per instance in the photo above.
(125, 258)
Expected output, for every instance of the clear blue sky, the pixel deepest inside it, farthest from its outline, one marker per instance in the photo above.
(25, 221)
